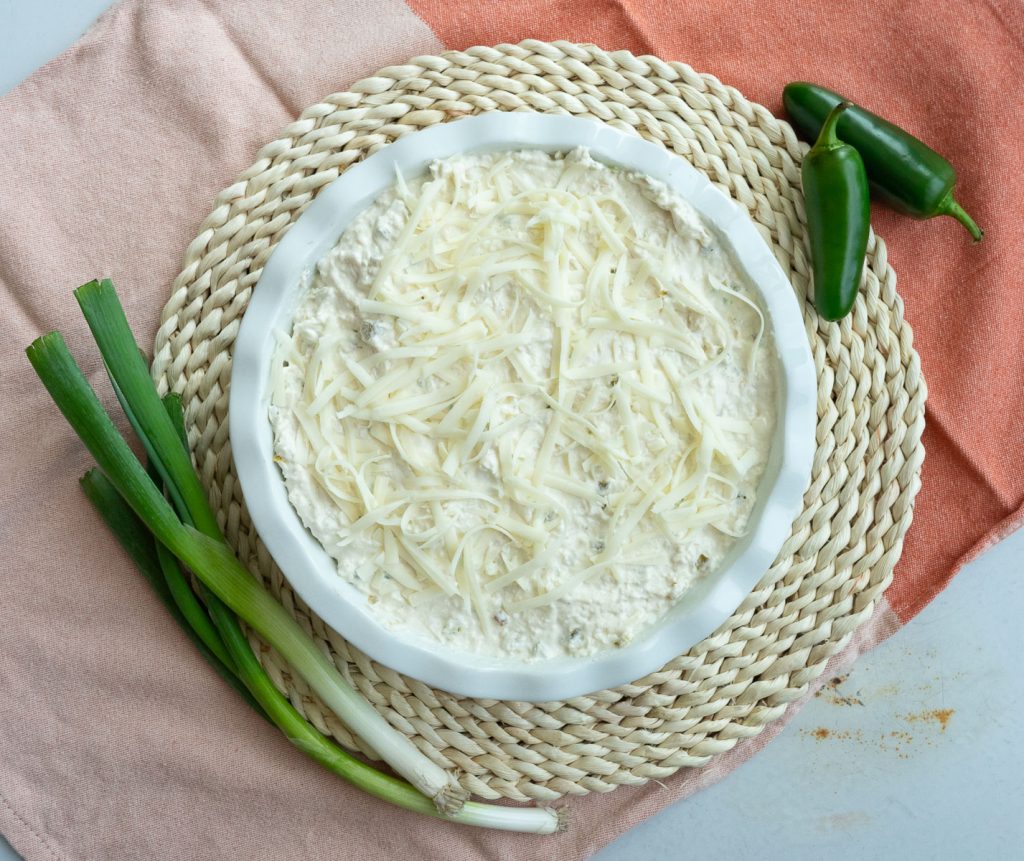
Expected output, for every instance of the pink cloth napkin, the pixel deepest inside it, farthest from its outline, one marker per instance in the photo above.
(117, 742)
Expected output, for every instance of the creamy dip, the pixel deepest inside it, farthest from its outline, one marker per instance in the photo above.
(525, 404)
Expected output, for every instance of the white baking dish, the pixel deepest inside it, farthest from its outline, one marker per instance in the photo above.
(311, 571)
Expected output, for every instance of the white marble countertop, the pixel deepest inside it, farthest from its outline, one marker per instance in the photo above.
(914, 755)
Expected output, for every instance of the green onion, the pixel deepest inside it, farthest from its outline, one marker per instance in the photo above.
(214, 563)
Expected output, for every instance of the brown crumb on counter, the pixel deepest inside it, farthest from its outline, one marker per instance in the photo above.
(830, 693)
(940, 716)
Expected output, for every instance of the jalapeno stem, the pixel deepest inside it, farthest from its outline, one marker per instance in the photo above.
(828, 139)
(950, 207)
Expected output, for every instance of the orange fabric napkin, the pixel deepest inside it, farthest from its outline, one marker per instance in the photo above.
(117, 741)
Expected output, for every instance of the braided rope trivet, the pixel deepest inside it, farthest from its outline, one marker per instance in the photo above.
(871, 395)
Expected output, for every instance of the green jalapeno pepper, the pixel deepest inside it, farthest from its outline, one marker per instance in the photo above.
(837, 202)
(904, 172)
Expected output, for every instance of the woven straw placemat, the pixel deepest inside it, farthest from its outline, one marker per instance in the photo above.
(840, 555)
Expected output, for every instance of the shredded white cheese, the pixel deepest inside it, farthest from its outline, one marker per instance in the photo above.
(525, 403)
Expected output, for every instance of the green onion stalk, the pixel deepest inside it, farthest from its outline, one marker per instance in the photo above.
(153, 531)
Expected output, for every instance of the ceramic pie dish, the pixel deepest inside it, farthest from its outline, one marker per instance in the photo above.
(310, 570)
